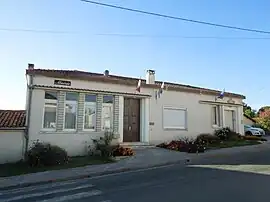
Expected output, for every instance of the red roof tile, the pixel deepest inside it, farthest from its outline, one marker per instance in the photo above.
(12, 119)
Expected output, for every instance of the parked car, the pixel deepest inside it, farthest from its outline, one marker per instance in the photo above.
(249, 130)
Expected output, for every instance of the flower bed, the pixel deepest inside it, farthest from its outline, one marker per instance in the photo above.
(183, 146)
(220, 139)
(122, 151)
(248, 137)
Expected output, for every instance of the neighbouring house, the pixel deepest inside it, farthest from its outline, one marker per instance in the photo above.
(248, 120)
(70, 108)
(12, 134)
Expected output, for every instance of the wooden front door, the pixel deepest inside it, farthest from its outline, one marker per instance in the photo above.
(131, 120)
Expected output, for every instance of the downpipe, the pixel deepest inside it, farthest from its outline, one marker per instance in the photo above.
(28, 113)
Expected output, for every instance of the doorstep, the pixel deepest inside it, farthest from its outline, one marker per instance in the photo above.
(137, 145)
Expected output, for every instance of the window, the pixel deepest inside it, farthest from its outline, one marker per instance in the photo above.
(216, 115)
(107, 113)
(50, 108)
(90, 112)
(175, 118)
(71, 110)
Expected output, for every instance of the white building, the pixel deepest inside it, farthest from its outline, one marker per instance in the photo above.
(70, 108)
(12, 135)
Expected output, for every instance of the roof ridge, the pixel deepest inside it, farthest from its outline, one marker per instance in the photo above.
(122, 79)
(12, 110)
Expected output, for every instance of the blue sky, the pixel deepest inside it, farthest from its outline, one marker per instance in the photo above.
(240, 66)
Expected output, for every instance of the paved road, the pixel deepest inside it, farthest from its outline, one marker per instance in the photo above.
(198, 182)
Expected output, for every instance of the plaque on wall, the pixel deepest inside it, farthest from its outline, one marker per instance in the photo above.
(62, 82)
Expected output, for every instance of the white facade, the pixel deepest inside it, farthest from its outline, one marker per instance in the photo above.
(12, 145)
(175, 114)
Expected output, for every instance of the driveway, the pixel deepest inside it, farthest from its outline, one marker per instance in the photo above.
(197, 182)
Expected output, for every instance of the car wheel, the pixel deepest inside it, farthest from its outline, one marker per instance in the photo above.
(248, 133)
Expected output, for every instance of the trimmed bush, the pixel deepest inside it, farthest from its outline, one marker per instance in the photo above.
(45, 154)
(227, 134)
(222, 133)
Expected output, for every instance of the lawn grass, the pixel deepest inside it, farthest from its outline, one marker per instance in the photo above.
(232, 143)
(19, 168)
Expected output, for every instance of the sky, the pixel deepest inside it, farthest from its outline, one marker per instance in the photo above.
(94, 38)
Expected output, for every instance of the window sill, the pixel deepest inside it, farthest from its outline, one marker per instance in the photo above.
(69, 130)
(175, 128)
(45, 130)
(57, 132)
(89, 130)
(216, 127)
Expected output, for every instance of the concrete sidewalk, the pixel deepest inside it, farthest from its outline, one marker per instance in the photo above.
(144, 158)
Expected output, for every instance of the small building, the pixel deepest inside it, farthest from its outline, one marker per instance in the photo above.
(12, 135)
(70, 108)
(248, 120)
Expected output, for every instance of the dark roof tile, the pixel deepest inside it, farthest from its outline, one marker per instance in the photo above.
(12, 119)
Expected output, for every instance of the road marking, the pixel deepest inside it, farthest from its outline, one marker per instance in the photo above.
(47, 193)
(259, 169)
(131, 171)
(73, 197)
(38, 187)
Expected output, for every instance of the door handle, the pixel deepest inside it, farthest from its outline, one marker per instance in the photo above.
(129, 128)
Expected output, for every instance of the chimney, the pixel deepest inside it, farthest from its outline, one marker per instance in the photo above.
(106, 72)
(31, 66)
(150, 76)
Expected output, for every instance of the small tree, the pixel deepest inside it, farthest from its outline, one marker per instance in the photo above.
(104, 145)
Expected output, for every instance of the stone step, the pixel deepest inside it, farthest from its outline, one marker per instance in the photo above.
(136, 145)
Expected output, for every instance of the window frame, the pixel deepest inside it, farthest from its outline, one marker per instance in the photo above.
(64, 116)
(89, 103)
(51, 101)
(217, 114)
(102, 115)
(179, 109)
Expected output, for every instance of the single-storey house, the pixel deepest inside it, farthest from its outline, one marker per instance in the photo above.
(70, 108)
(12, 134)
(248, 120)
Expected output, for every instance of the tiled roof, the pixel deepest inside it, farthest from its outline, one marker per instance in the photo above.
(10, 119)
(81, 75)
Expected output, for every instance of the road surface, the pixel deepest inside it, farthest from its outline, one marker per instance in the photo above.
(200, 181)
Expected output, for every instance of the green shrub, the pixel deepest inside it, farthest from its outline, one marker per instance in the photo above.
(45, 154)
(207, 138)
(234, 136)
(191, 145)
(104, 145)
(223, 133)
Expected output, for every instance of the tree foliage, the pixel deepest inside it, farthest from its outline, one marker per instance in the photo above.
(263, 118)
(249, 111)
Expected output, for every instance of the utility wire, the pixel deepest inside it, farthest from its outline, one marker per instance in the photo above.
(179, 36)
(34, 30)
(176, 18)
(127, 35)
